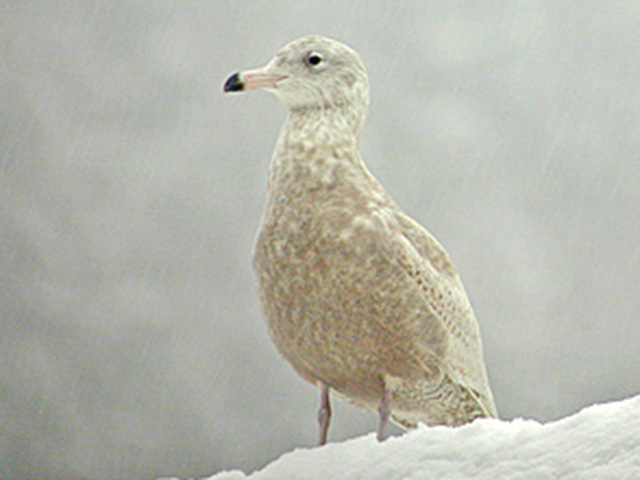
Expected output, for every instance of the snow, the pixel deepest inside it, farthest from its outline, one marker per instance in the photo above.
(600, 442)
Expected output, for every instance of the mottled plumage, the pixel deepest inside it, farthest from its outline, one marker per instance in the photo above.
(358, 297)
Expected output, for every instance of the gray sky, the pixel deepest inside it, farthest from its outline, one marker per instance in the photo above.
(131, 188)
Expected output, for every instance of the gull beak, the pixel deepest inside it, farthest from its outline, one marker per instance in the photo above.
(252, 80)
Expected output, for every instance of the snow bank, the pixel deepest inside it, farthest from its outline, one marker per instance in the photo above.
(600, 442)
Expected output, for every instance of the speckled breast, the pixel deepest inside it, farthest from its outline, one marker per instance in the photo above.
(338, 306)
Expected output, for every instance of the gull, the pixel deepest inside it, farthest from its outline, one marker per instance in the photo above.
(359, 298)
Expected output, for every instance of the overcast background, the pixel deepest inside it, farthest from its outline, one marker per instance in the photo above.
(131, 340)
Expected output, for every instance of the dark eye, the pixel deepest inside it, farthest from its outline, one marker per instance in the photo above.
(313, 59)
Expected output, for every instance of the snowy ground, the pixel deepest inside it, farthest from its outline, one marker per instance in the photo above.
(600, 442)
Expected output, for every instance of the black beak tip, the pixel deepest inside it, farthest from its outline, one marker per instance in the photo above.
(233, 84)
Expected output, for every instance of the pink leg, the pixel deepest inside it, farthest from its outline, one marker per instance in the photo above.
(384, 410)
(324, 413)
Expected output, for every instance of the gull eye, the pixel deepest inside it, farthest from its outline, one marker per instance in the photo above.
(313, 59)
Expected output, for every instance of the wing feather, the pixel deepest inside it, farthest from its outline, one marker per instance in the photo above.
(430, 266)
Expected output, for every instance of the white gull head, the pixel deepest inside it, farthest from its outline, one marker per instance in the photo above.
(312, 73)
